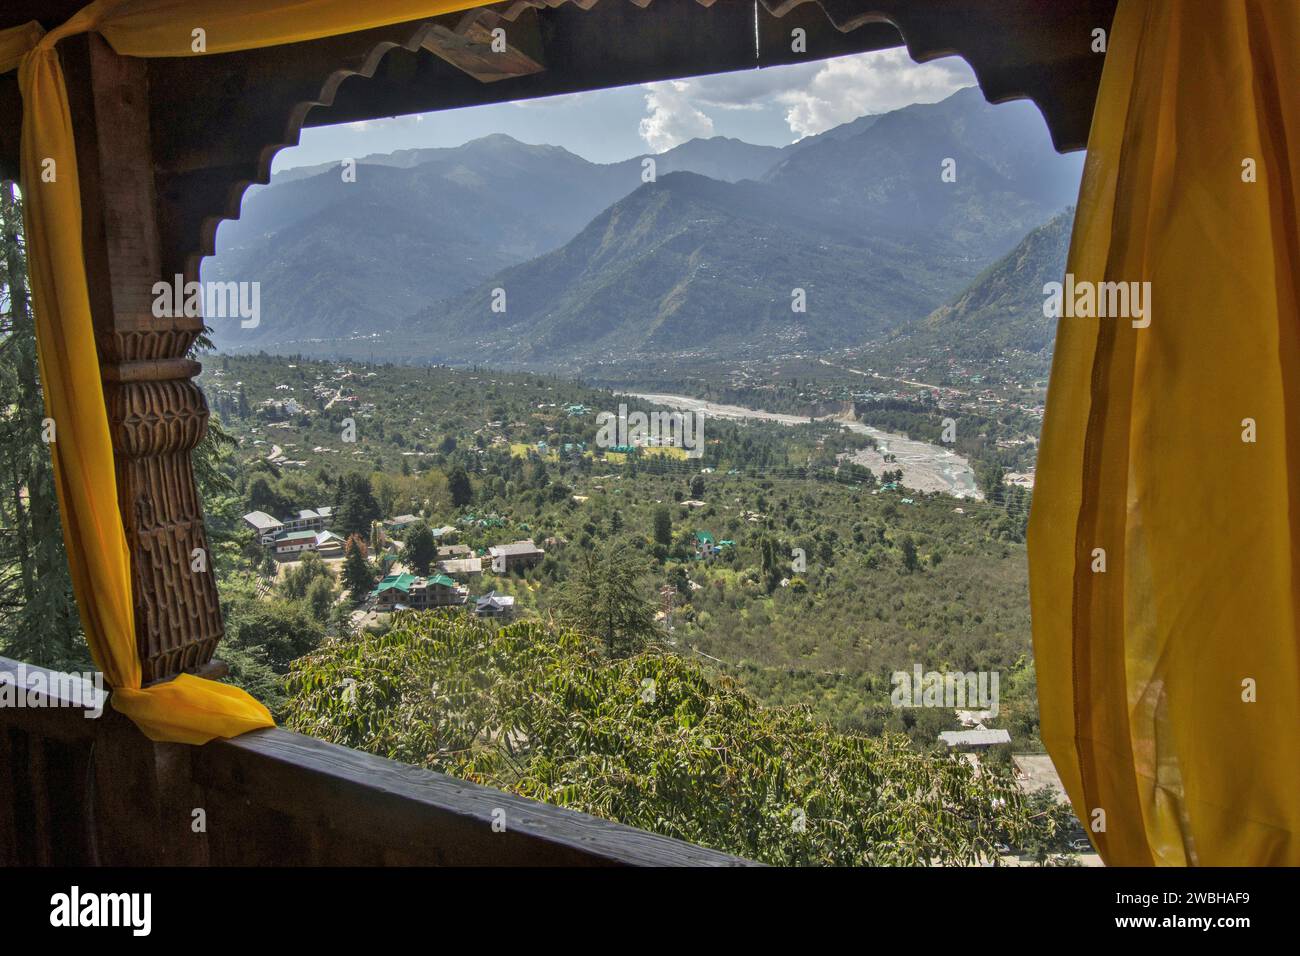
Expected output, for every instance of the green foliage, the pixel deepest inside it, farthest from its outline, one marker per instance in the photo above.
(770, 562)
(603, 597)
(907, 548)
(320, 598)
(299, 578)
(458, 483)
(357, 507)
(651, 741)
(274, 633)
(248, 668)
(829, 640)
(39, 623)
(358, 576)
(989, 477)
(663, 526)
(421, 549)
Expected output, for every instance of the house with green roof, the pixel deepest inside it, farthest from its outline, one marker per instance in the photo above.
(294, 542)
(705, 545)
(399, 592)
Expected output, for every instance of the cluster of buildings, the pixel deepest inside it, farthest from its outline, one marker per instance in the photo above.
(401, 592)
(457, 563)
(303, 531)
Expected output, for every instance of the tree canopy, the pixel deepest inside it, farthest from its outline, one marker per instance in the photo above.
(652, 741)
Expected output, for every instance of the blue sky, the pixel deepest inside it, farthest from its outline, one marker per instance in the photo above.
(774, 106)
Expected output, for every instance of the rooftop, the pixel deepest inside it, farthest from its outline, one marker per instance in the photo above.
(975, 738)
(402, 582)
(516, 547)
(261, 520)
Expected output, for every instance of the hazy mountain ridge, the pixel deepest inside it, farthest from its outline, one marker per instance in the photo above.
(598, 264)
(1002, 309)
(337, 258)
(886, 177)
(682, 265)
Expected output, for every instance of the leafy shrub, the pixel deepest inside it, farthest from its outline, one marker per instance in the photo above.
(651, 741)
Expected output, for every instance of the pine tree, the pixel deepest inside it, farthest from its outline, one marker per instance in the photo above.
(358, 576)
(462, 492)
(663, 524)
(421, 549)
(602, 597)
(908, 547)
(769, 563)
(357, 507)
(40, 624)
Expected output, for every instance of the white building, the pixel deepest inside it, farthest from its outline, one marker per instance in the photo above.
(975, 738)
(264, 525)
(494, 605)
(518, 554)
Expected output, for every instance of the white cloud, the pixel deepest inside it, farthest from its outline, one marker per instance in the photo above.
(673, 117)
(747, 89)
(846, 88)
(813, 96)
(386, 123)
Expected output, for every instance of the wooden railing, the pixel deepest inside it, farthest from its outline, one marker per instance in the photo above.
(81, 791)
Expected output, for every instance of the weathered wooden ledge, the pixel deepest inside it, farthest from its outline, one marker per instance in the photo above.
(78, 791)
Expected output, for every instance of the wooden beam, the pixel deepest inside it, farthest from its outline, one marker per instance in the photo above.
(157, 415)
(469, 46)
(226, 115)
(364, 809)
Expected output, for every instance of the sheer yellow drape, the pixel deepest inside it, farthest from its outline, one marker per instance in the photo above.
(188, 709)
(1169, 683)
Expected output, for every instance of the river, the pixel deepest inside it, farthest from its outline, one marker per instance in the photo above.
(925, 467)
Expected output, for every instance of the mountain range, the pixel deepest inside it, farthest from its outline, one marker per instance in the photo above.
(1001, 311)
(599, 266)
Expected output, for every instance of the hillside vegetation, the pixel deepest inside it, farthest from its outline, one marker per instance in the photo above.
(891, 578)
(654, 742)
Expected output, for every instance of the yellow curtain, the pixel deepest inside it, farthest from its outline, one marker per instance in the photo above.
(187, 709)
(1169, 675)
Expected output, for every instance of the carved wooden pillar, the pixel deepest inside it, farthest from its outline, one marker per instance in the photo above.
(157, 415)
